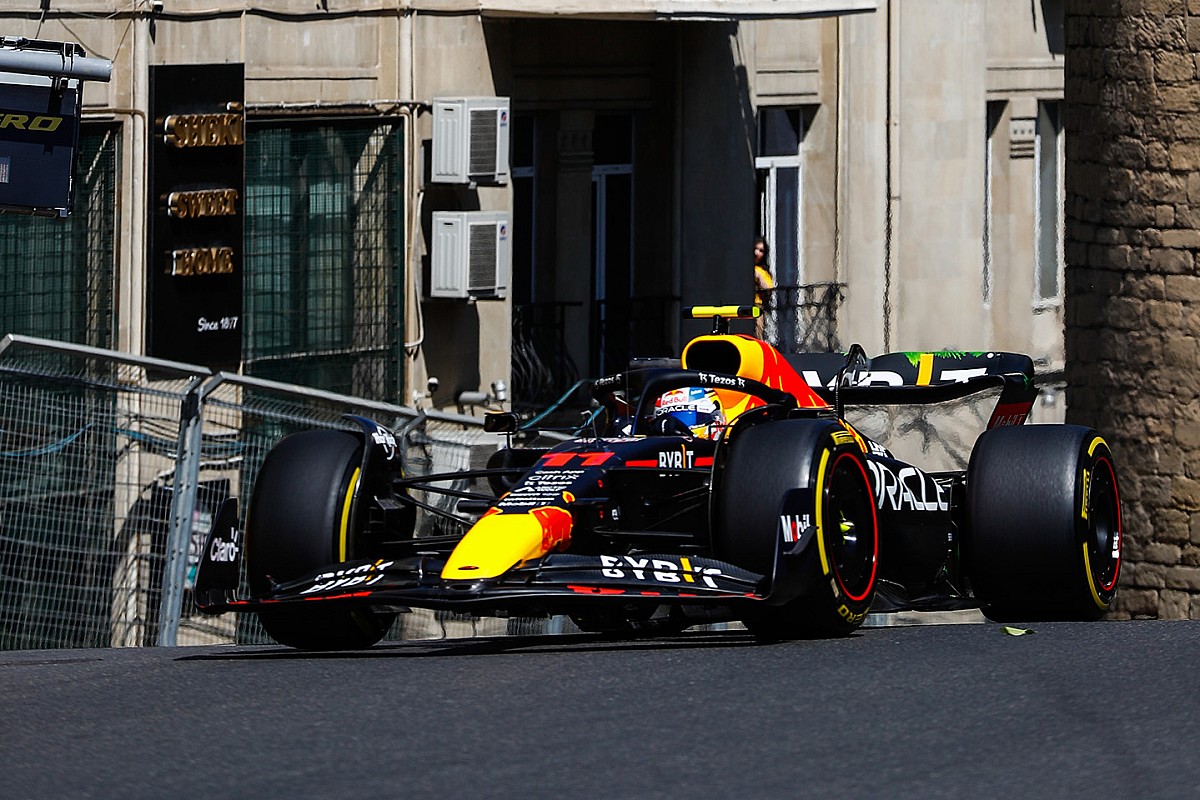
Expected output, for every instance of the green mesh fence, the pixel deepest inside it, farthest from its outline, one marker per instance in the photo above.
(90, 451)
(323, 260)
(56, 275)
(87, 452)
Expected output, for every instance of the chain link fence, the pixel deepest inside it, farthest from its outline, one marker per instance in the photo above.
(800, 319)
(112, 468)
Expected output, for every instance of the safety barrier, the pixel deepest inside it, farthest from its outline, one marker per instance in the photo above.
(112, 467)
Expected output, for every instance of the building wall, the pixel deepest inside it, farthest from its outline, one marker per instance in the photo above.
(894, 191)
(1024, 67)
(940, 150)
(466, 345)
(866, 176)
(893, 182)
(1133, 208)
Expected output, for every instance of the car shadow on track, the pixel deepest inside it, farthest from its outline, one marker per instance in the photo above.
(496, 645)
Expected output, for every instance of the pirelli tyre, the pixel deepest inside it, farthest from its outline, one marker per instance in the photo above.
(1043, 536)
(298, 522)
(755, 496)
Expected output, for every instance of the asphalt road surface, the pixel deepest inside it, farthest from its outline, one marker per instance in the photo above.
(1104, 710)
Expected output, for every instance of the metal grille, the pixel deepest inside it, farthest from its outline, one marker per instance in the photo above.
(324, 244)
(483, 142)
(483, 257)
(56, 276)
(85, 462)
(542, 368)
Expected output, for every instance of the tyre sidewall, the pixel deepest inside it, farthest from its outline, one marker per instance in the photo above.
(1031, 504)
(293, 524)
(777, 470)
(299, 521)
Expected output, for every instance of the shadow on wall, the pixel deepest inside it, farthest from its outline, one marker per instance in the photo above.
(717, 227)
(1053, 16)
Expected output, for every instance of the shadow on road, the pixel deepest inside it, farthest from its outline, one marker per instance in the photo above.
(495, 645)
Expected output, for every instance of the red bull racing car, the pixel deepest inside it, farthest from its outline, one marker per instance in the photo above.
(730, 487)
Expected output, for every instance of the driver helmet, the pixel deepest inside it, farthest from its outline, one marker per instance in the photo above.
(696, 408)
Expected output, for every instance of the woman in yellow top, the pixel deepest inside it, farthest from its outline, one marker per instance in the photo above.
(763, 282)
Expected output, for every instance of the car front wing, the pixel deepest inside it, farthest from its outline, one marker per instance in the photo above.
(557, 580)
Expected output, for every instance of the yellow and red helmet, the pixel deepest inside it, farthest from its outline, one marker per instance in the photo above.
(690, 411)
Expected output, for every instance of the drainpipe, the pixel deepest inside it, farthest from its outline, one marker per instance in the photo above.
(133, 270)
(892, 178)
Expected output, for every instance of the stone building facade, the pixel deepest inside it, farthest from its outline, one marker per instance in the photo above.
(1133, 279)
(904, 153)
(907, 153)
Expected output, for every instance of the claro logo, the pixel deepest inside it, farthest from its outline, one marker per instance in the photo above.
(25, 122)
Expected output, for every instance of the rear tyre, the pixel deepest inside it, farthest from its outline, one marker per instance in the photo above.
(766, 462)
(1043, 539)
(297, 523)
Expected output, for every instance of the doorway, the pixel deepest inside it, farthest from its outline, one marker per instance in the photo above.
(612, 242)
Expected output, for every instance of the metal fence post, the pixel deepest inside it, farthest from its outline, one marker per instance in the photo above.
(183, 504)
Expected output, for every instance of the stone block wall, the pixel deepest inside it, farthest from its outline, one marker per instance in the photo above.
(1132, 303)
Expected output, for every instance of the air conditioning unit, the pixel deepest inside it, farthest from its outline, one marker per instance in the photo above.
(469, 254)
(470, 140)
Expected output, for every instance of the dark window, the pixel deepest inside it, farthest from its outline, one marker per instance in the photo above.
(324, 256)
(779, 131)
(612, 139)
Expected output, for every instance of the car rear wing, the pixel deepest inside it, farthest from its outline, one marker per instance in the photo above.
(921, 378)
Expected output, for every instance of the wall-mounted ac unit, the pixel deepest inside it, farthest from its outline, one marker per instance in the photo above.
(469, 254)
(470, 140)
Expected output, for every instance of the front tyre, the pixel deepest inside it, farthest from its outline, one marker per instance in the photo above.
(298, 522)
(821, 459)
(1043, 539)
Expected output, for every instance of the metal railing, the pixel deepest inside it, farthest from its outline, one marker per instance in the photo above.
(542, 369)
(112, 467)
(801, 319)
(546, 380)
(632, 327)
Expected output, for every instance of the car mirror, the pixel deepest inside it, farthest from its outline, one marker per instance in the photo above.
(501, 422)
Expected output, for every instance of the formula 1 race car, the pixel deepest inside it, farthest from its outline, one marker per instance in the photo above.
(730, 487)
